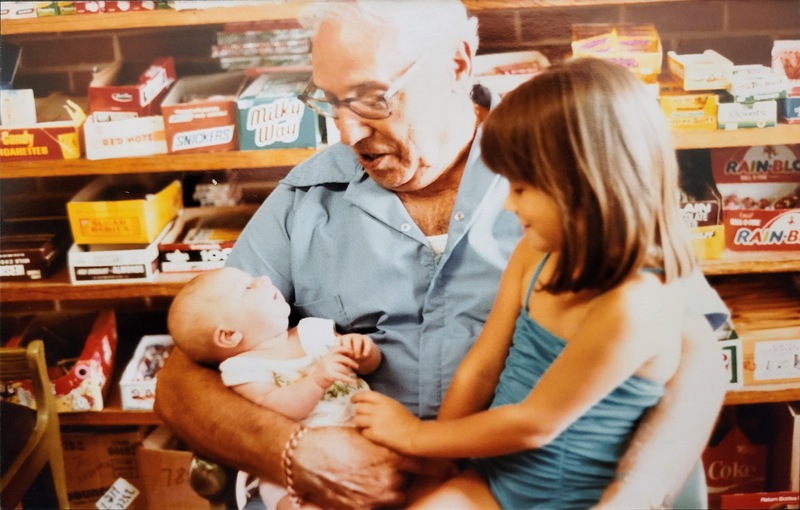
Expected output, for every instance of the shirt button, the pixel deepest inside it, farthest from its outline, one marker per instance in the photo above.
(459, 216)
(405, 227)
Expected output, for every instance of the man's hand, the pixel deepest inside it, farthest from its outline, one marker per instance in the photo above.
(336, 467)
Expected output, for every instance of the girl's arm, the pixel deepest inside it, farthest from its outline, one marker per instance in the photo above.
(473, 384)
(621, 332)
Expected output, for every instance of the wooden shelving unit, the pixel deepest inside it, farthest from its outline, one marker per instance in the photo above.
(273, 163)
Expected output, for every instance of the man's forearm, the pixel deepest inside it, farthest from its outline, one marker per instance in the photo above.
(217, 423)
(672, 436)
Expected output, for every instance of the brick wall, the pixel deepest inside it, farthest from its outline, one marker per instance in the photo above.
(742, 30)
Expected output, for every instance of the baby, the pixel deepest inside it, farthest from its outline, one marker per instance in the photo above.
(306, 373)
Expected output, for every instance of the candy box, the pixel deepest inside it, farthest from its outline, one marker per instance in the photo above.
(701, 204)
(30, 248)
(124, 209)
(634, 46)
(53, 133)
(687, 111)
(125, 138)
(200, 113)
(759, 187)
(202, 238)
(137, 385)
(750, 83)
(700, 71)
(272, 117)
(502, 72)
(732, 115)
(122, 91)
(113, 263)
(80, 349)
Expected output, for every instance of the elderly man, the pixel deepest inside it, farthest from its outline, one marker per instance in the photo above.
(399, 232)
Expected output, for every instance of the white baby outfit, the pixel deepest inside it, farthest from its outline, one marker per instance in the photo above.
(334, 409)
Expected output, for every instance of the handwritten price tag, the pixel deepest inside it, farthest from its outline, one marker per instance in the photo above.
(118, 497)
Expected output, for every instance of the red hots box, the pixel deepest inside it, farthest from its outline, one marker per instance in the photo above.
(760, 188)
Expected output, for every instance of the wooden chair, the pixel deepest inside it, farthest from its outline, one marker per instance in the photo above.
(34, 473)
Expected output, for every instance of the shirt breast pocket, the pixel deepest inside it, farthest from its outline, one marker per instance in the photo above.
(327, 307)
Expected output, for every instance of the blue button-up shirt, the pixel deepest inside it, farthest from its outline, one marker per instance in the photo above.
(341, 247)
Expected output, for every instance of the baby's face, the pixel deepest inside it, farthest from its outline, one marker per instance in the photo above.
(253, 305)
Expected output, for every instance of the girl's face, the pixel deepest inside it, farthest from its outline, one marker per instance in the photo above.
(539, 215)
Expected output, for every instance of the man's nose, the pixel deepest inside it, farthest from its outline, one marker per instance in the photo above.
(352, 127)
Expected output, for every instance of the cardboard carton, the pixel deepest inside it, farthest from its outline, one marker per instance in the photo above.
(49, 137)
(756, 500)
(125, 138)
(95, 459)
(701, 71)
(113, 263)
(272, 117)
(137, 385)
(734, 465)
(121, 91)
(759, 186)
(124, 209)
(166, 479)
(30, 248)
(770, 356)
(760, 114)
(200, 113)
(80, 349)
(634, 46)
(503, 72)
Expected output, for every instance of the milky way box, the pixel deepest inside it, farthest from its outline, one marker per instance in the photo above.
(272, 117)
(30, 248)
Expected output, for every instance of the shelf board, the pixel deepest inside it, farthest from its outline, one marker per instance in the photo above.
(764, 394)
(781, 134)
(149, 19)
(58, 287)
(735, 262)
(270, 158)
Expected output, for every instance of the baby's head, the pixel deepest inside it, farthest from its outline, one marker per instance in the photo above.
(224, 312)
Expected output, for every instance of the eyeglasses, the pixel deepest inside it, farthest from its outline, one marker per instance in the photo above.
(374, 107)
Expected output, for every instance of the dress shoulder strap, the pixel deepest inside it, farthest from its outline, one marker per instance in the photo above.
(535, 278)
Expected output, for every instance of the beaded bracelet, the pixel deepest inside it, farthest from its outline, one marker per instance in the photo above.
(286, 461)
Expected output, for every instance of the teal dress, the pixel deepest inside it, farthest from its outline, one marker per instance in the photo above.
(574, 469)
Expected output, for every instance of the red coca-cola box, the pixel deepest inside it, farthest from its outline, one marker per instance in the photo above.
(121, 91)
(760, 188)
(734, 465)
(200, 113)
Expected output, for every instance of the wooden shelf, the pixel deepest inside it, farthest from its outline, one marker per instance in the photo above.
(732, 262)
(271, 158)
(58, 287)
(781, 134)
(149, 19)
(220, 15)
(763, 395)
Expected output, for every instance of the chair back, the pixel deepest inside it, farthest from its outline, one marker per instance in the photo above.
(38, 470)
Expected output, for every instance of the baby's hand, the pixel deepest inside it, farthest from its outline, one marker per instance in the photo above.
(335, 365)
(359, 347)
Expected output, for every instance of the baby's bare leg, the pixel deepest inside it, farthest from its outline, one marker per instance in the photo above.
(464, 491)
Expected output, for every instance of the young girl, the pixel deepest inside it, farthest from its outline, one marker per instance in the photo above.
(586, 326)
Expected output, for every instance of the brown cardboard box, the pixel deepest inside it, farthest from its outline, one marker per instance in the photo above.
(734, 465)
(166, 477)
(94, 459)
(785, 461)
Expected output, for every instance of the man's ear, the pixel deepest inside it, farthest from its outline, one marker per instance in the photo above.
(463, 60)
(227, 338)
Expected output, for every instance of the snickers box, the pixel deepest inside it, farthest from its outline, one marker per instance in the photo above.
(200, 113)
(759, 187)
(272, 117)
(202, 238)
